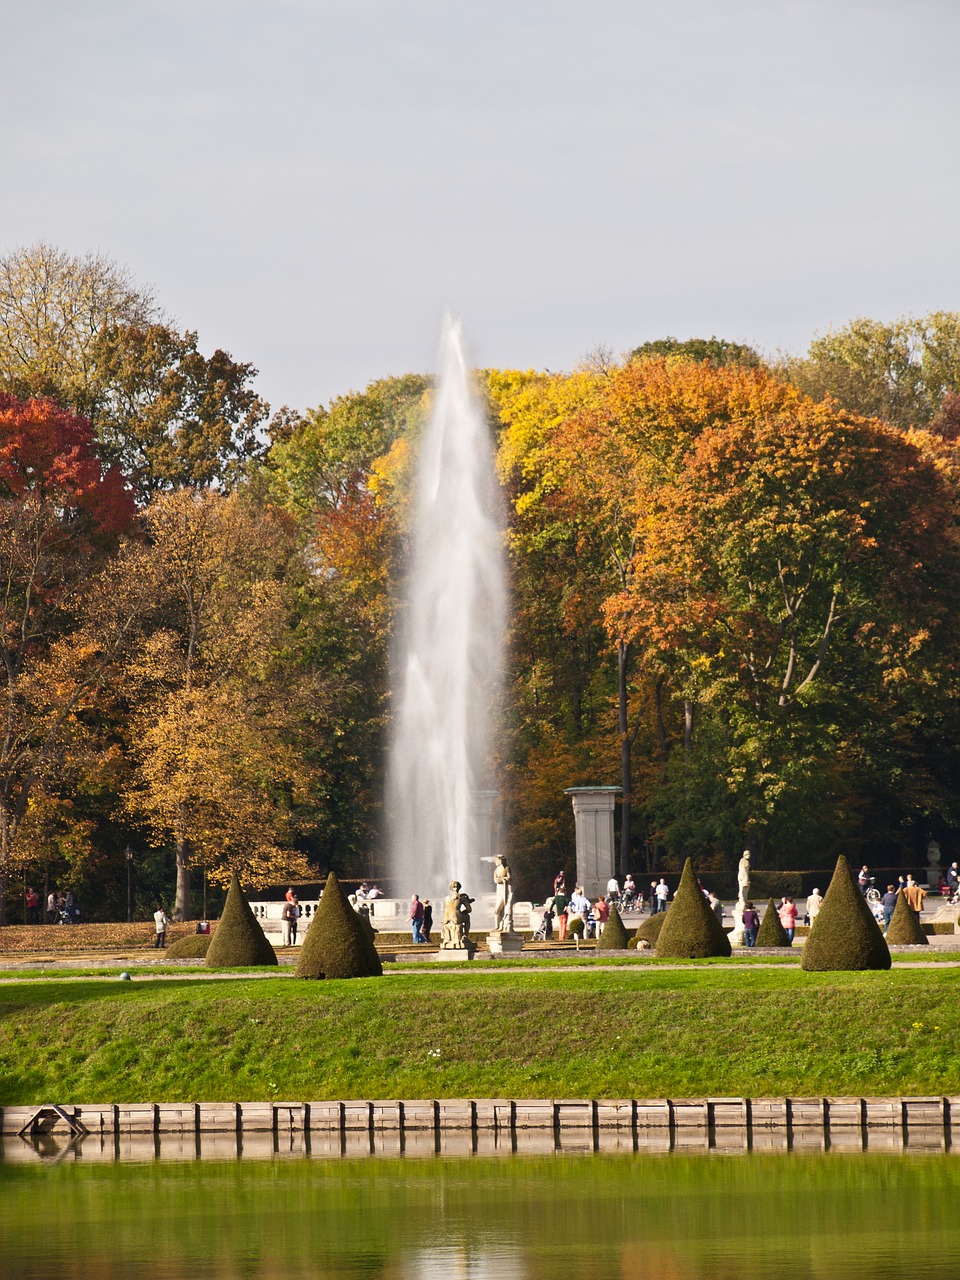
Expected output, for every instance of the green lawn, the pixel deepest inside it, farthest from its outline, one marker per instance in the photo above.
(647, 1032)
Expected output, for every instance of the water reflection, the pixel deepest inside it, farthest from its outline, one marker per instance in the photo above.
(636, 1216)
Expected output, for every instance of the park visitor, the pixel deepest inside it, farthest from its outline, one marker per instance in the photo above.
(788, 917)
(914, 895)
(716, 906)
(662, 893)
(863, 879)
(33, 906)
(889, 903)
(579, 907)
(289, 917)
(814, 903)
(51, 907)
(601, 913)
(629, 896)
(160, 921)
(751, 923)
(416, 918)
(560, 883)
(427, 923)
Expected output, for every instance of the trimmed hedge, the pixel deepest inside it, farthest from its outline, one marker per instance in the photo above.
(339, 942)
(771, 932)
(193, 947)
(238, 941)
(845, 934)
(576, 927)
(613, 936)
(691, 930)
(905, 929)
(649, 930)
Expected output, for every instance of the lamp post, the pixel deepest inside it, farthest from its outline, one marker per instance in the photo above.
(129, 852)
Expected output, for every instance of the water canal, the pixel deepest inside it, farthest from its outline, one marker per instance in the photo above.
(714, 1215)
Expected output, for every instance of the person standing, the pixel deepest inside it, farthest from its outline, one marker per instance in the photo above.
(160, 921)
(662, 893)
(33, 906)
(601, 914)
(814, 903)
(416, 918)
(559, 883)
(863, 879)
(427, 923)
(889, 904)
(914, 895)
(788, 917)
(751, 923)
(52, 907)
(560, 907)
(716, 906)
(288, 917)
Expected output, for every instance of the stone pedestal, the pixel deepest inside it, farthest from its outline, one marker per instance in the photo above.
(456, 953)
(736, 936)
(504, 942)
(596, 849)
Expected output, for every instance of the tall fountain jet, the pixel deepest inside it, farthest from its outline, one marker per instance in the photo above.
(448, 662)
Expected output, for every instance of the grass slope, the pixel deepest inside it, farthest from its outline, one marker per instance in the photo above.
(656, 1032)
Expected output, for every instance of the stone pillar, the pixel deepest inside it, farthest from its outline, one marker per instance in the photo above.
(486, 820)
(596, 847)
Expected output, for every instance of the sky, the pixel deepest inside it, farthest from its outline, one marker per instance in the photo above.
(310, 183)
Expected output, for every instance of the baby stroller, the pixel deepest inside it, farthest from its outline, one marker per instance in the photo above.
(545, 932)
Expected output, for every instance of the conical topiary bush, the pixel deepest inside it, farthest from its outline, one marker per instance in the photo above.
(905, 929)
(238, 939)
(337, 944)
(691, 930)
(649, 930)
(844, 934)
(613, 936)
(771, 932)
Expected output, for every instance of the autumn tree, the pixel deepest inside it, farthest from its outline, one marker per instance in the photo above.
(801, 568)
(581, 470)
(60, 515)
(220, 706)
(54, 306)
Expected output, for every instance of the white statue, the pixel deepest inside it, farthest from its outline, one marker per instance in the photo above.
(503, 914)
(743, 878)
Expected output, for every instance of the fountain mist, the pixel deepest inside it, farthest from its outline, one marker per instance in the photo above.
(449, 658)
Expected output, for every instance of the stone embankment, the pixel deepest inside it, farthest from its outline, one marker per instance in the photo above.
(465, 1126)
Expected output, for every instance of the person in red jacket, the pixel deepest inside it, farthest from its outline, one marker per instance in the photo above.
(788, 917)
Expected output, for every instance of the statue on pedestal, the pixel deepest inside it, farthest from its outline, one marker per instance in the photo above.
(455, 925)
(503, 912)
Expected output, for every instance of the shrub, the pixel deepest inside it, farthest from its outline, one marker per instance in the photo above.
(576, 927)
(691, 930)
(613, 936)
(905, 929)
(771, 932)
(238, 940)
(649, 930)
(193, 947)
(339, 942)
(845, 934)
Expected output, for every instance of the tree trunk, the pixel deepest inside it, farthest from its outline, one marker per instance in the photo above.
(181, 910)
(687, 725)
(623, 666)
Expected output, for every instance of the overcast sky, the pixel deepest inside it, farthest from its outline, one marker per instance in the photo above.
(309, 183)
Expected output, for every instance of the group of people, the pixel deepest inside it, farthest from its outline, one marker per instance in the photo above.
(914, 893)
(61, 908)
(420, 918)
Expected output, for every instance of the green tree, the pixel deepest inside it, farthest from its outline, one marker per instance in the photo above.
(899, 371)
(168, 415)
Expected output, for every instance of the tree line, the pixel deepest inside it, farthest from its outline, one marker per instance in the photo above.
(734, 587)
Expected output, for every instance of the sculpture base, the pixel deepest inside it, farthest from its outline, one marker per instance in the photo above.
(504, 942)
(456, 953)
